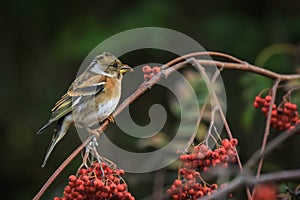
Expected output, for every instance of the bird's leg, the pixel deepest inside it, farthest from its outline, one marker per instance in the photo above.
(86, 156)
(84, 160)
(93, 132)
(90, 131)
(93, 144)
(91, 149)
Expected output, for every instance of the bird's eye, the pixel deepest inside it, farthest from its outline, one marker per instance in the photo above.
(115, 65)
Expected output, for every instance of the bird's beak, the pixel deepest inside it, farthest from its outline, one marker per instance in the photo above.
(125, 68)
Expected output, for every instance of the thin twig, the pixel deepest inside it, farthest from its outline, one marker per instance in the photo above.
(267, 129)
(271, 146)
(206, 53)
(192, 138)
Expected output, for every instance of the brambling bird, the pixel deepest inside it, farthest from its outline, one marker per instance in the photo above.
(101, 80)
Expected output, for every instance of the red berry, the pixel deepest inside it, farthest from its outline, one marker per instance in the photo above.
(82, 171)
(216, 162)
(120, 187)
(104, 195)
(293, 107)
(291, 127)
(156, 70)
(256, 104)
(182, 196)
(206, 162)
(177, 183)
(234, 141)
(268, 98)
(175, 197)
(264, 109)
(80, 188)
(222, 151)
(72, 178)
(120, 195)
(258, 99)
(98, 183)
(147, 77)
(199, 194)
(121, 172)
(191, 191)
(189, 176)
(67, 189)
(214, 186)
(208, 153)
(287, 105)
(206, 169)
(233, 159)
(147, 69)
(169, 192)
(274, 120)
(215, 155)
(274, 113)
(74, 194)
(224, 158)
(226, 144)
(287, 125)
(112, 186)
(79, 182)
(231, 152)
(206, 190)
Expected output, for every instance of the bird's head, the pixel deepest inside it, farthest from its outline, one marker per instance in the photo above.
(109, 65)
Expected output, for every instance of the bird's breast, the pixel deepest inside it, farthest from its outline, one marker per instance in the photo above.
(98, 108)
(105, 109)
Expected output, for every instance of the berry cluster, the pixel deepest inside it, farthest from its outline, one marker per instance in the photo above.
(283, 117)
(99, 182)
(202, 159)
(149, 72)
(188, 187)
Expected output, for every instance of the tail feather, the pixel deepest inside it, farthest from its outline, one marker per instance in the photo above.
(49, 151)
(62, 127)
(44, 127)
(58, 134)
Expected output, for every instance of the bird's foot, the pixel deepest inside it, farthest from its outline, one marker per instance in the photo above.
(111, 119)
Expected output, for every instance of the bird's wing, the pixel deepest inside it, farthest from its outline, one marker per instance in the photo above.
(79, 91)
(87, 86)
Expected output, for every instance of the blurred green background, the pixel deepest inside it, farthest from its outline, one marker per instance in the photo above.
(44, 42)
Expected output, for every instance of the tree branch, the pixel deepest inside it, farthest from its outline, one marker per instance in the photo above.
(243, 181)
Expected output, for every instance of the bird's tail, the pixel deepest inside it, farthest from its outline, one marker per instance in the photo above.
(44, 127)
(59, 132)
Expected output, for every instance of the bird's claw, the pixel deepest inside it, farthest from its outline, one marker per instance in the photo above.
(111, 119)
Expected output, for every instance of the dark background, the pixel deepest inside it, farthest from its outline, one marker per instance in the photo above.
(44, 42)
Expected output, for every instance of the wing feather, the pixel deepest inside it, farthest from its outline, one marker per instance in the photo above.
(79, 91)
